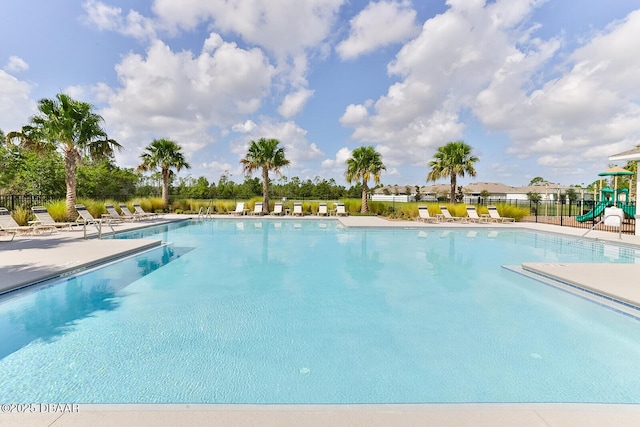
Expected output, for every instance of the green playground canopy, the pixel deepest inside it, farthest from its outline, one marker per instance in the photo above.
(615, 172)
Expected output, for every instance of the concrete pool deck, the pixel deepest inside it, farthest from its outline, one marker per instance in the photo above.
(29, 259)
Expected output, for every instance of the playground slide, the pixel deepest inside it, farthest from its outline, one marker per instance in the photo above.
(630, 210)
(596, 211)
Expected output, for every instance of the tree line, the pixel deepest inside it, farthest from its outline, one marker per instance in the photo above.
(64, 148)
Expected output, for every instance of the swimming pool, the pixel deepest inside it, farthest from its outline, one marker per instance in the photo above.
(270, 311)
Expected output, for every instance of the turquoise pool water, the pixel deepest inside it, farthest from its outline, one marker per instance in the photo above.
(270, 311)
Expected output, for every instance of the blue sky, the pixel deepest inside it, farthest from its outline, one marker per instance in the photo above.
(537, 88)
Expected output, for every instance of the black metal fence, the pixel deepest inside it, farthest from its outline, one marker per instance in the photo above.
(564, 213)
(25, 201)
(574, 215)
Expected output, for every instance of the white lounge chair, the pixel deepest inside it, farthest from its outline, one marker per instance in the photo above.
(423, 215)
(472, 213)
(240, 210)
(322, 209)
(495, 215)
(113, 215)
(446, 216)
(85, 217)
(297, 209)
(340, 210)
(277, 209)
(9, 225)
(257, 209)
(44, 218)
(137, 210)
(126, 213)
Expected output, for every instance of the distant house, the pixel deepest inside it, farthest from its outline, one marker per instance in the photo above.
(497, 192)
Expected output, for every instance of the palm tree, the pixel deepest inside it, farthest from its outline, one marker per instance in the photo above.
(365, 163)
(452, 160)
(164, 154)
(266, 155)
(71, 127)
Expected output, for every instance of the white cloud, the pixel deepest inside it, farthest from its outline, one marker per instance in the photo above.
(15, 104)
(294, 103)
(476, 57)
(298, 149)
(182, 96)
(354, 115)
(110, 18)
(246, 127)
(285, 27)
(592, 108)
(339, 162)
(218, 168)
(377, 25)
(16, 64)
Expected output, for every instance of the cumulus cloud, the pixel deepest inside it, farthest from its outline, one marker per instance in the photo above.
(284, 27)
(16, 64)
(354, 115)
(16, 105)
(591, 108)
(294, 103)
(292, 137)
(340, 160)
(377, 25)
(182, 95)
(474, 57)
(109, 18)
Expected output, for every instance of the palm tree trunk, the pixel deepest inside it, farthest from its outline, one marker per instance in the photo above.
(265, 190)
(365, 190)
(454, 184)
(165, 187)
(70, 166)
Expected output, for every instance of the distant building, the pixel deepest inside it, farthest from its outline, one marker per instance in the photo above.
(497, 192)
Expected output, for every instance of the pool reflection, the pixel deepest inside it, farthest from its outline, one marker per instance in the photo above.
(53, 309)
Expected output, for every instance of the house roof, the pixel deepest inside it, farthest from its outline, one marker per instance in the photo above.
(633, 154)
(491, 187)
(477, 187)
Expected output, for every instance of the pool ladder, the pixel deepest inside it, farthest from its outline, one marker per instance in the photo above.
(204, 214)
(98, 225)
(618, 224)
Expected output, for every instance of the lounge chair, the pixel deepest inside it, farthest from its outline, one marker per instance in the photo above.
(257, 209)
(85, 217)
(472, 213)
(10, 226)
(322, 209)
(277, 209)
(113, 214)
(126, 213)
(495, 215)
(423, 215)
(297, 209)
(137, 210)
(44, 218)
(239, 209)
(340, 211)
(446, 216)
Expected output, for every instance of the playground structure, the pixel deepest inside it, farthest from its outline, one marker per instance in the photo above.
(611, 197)
(607, 200)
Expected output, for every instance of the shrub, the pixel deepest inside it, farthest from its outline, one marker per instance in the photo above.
(21, 215)
(58, 210)
(352, 205)
(506, 210)
(96, 208)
